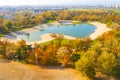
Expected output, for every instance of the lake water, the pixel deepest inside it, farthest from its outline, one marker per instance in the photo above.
(78, 30)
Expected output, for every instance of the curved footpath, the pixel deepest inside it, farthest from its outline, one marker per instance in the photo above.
(12, 37)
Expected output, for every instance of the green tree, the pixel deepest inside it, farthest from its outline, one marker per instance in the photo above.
(21, 50)
(8, 26)
(106, 61)
(116, 71)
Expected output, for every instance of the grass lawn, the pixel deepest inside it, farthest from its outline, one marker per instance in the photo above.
(49, 21)
(63, 41)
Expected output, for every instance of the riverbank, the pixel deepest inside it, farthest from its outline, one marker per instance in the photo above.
(101, 28)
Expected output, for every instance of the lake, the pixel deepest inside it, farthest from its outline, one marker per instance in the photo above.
(78, 30)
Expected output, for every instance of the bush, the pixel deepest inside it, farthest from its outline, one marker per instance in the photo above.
(116, 71)
(75, 57)
(1, 56)
(90, 72)
(117, 34)
(1, 35)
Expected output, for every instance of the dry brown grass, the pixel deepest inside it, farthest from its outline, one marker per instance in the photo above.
(18, 71)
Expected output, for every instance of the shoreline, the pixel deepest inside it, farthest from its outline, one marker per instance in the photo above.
(47, 37)
(100, 29)
(12, 37)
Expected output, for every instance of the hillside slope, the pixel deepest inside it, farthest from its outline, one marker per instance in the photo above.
(18, 71)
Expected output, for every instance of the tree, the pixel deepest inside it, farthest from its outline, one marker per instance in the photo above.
(3, 47)
(75, 57)
(63, 55)
(10, 51)
(8, 25)
(106, 61)
(27, 19)
(116, 71)
(47, 15)
(21, 50)
(39, 19)
(63, 15)
(86, 59)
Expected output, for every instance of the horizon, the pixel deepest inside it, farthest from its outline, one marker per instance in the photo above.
(57, 3)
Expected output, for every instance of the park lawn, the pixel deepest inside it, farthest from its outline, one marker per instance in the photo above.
(55, 41)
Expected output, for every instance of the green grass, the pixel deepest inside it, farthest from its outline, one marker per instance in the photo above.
(49, 21)
(118, 12)
(55, 41)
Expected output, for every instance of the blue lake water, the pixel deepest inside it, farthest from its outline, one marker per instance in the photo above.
(78, 30)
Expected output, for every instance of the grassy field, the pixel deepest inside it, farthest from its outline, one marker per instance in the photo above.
(63, 41)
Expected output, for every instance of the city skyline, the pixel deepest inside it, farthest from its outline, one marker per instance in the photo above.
(56, 2)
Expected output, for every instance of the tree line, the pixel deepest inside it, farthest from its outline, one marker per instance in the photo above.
(27, 19)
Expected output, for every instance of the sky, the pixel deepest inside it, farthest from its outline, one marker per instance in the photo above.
(58, 2)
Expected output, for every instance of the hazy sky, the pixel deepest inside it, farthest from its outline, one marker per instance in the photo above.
(57, 2)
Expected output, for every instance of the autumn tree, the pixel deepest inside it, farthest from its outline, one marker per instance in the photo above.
(63, 55)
